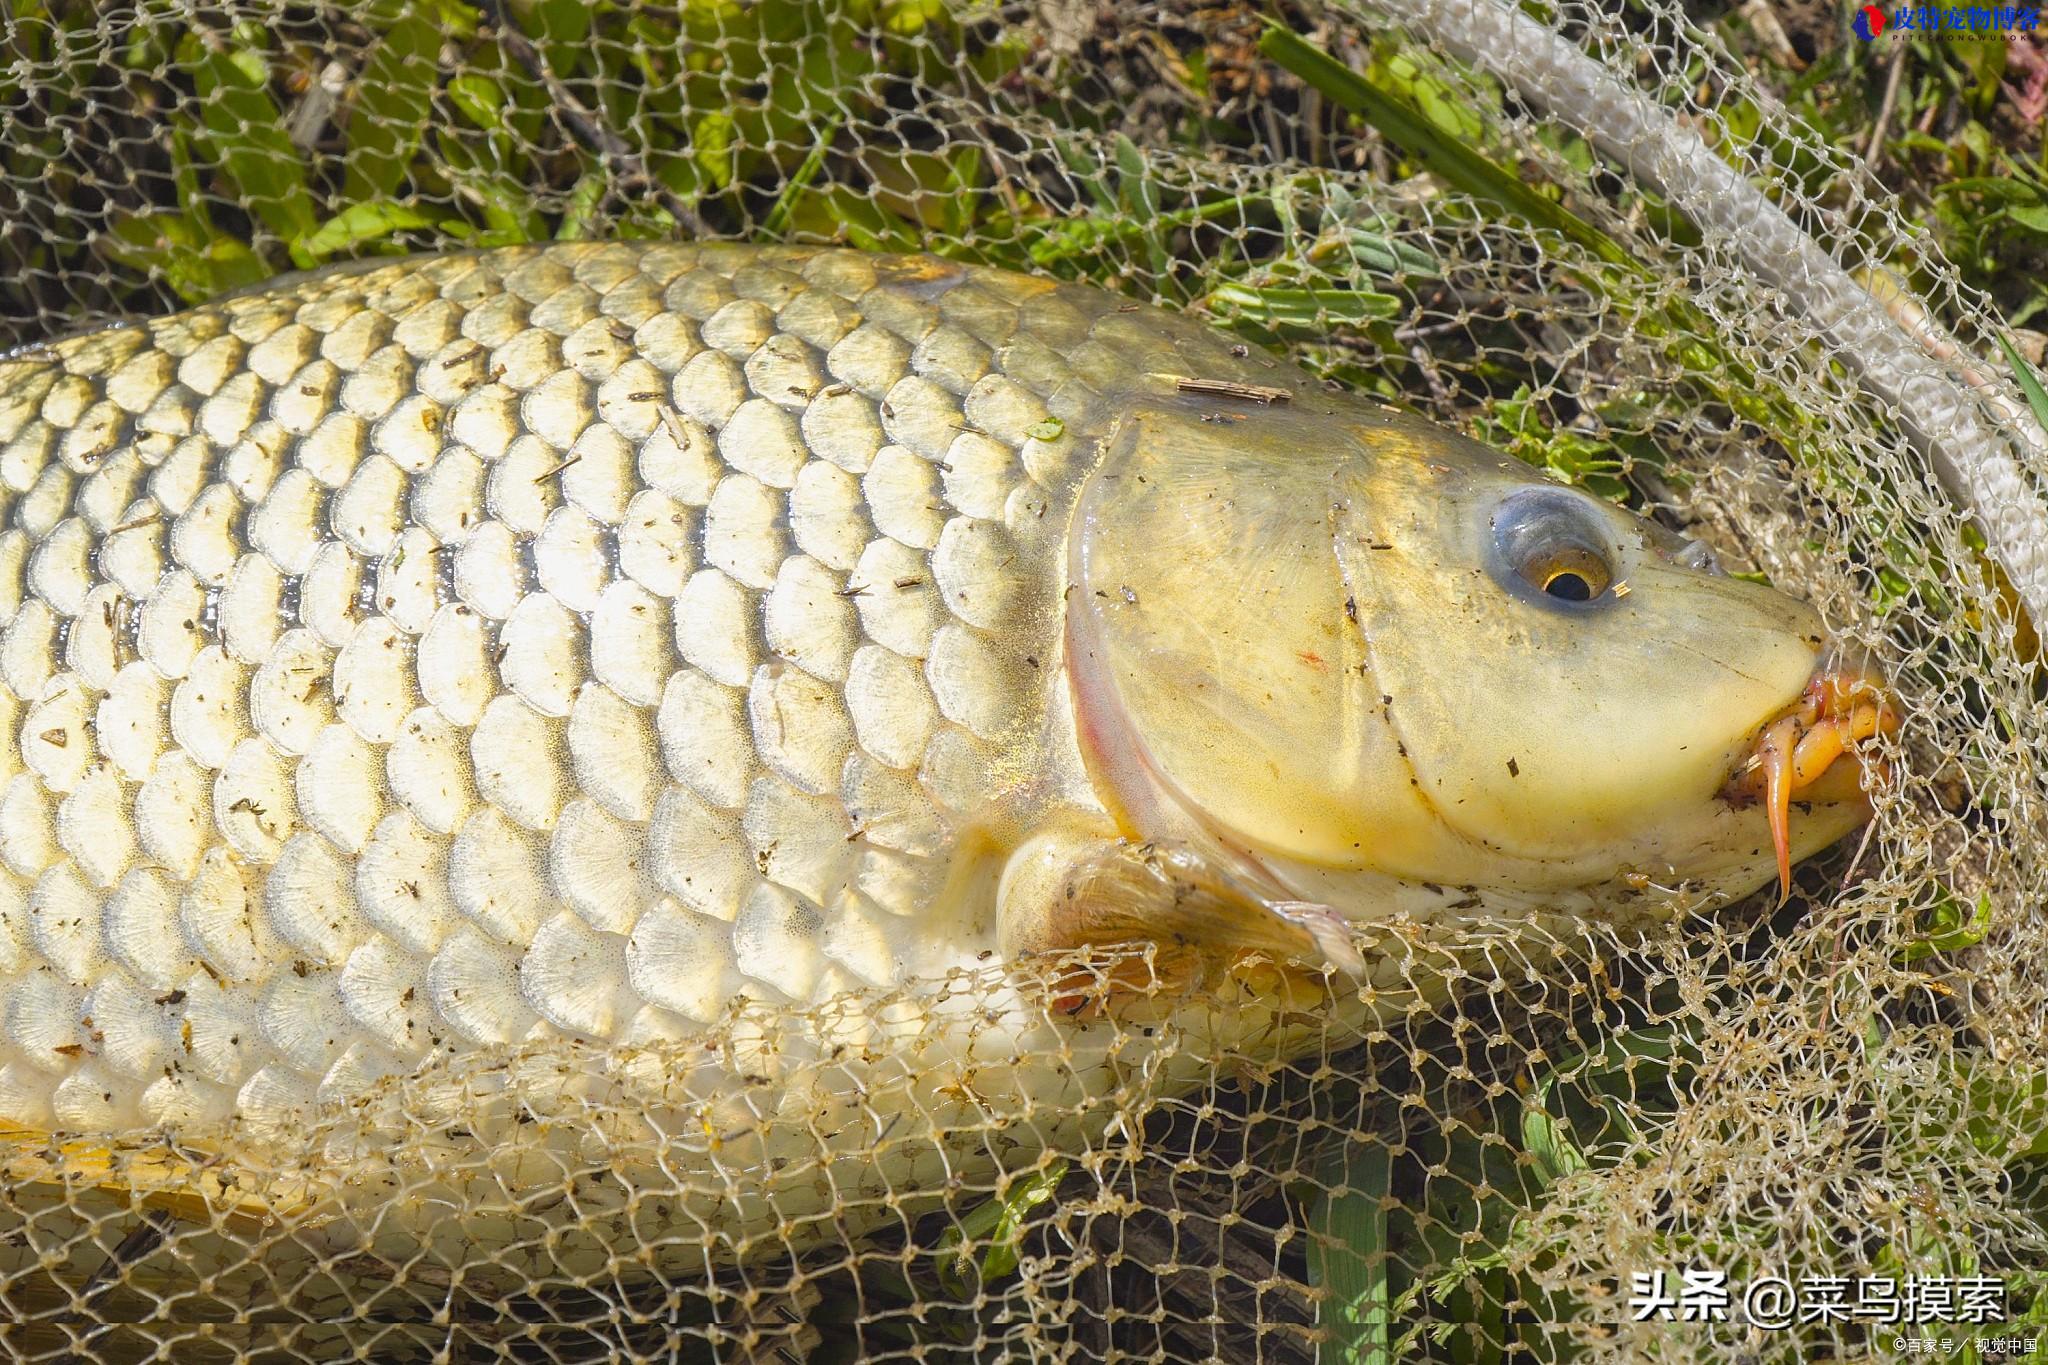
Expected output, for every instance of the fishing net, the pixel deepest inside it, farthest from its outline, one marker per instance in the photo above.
(1583, 234)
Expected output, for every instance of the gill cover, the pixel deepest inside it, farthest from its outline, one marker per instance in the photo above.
(1220, 675)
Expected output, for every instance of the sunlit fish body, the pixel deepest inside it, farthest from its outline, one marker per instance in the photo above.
(494, 664)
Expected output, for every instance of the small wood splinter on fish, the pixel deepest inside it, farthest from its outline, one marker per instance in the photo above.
(1230, 388)
(556, 468)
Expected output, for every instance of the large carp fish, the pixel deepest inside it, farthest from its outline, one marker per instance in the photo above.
(441, 694)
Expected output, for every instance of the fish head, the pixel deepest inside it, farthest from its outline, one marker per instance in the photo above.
(1352, 652)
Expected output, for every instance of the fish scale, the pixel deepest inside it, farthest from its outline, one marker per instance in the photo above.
(485, 648)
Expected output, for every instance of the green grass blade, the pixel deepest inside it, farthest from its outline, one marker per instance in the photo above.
(983, 1246)
(2030, 384)
(1293, 309)
(1068, 238)
(1547, 1140)
(1687, 334)
(777, 223)
(1409, 128)
(1347, 1256)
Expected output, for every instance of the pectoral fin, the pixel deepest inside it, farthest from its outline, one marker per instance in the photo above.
(1064, 893)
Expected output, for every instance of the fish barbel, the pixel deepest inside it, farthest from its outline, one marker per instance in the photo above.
(484, 663)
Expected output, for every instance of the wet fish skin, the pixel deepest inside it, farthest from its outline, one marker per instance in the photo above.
(578, 642)
(455, 651)
(419, 672)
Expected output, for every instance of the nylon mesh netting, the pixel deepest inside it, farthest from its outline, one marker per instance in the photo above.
(1473, 1165)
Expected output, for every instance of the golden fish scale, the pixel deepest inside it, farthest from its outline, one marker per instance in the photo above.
(486, 648)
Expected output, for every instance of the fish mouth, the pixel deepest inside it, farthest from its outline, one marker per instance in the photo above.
(1816, 750)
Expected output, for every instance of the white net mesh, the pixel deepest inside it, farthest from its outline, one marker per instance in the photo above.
(1850, 1086)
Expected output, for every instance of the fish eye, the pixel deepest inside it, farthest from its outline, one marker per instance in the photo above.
(1571, 575)
(1552, 542)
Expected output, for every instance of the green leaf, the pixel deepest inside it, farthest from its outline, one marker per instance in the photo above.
(581, 214)
(908, 18)
(679, 171)
(1087, 172)
(1986, 62)
(479, 99)
(505, 203)
(183, 252)
(1400, 74)
(1946, 928)
(143, 52)
(1138, 202)
(1913, 140)
(2008, 1114)
(185, 176)
(1133, 177)
(394, 96)
(457, 20)
(1555, 1153)
(843, 215)
(1382, 255)
(558, 28)
(2002, 189)
(357, 225)
(247, 134)
(962, 191)
(248, 60)
(995, 1229)
(1577, 1110)
(1066, 238)
(1348, 1254)
(711, 143)
(1975, 138)
(644, 220)
(228, 263)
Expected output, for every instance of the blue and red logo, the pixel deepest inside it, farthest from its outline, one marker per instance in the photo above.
(1870, 22)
